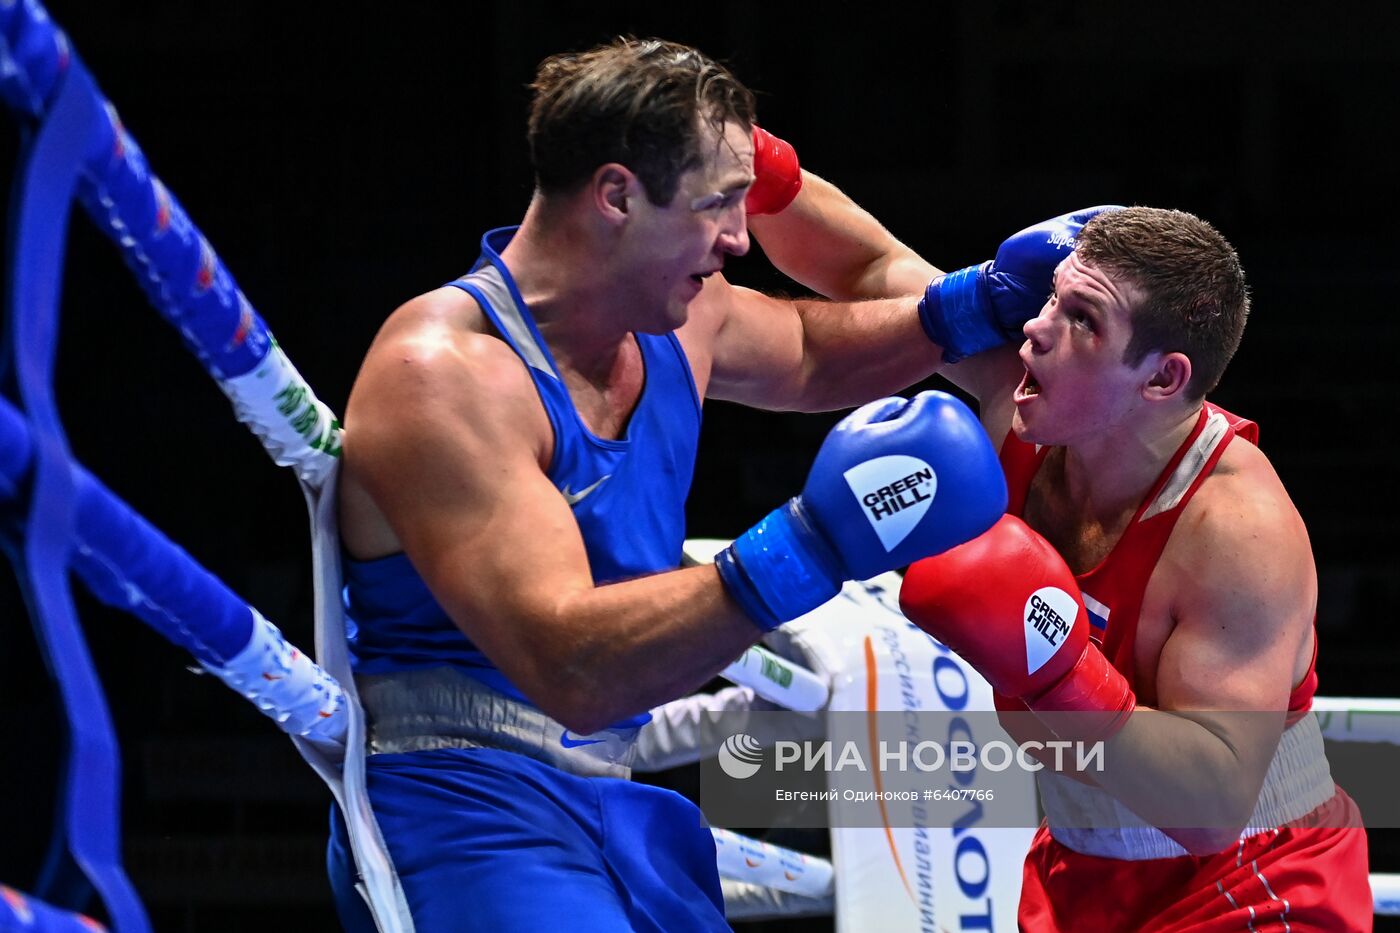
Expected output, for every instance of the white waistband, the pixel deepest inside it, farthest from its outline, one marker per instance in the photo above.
(1088, 820)
(441, 707)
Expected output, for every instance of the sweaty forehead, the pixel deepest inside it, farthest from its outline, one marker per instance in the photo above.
(1077, 272)
(1098, 285)
(728, 155)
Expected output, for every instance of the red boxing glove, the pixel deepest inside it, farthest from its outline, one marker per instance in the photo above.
(1010, 607)
(777, 176)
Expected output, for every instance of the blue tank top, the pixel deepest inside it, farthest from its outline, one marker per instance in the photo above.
(627, 495)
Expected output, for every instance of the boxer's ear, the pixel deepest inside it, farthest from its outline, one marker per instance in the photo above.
(1168, 378)
(611, 187)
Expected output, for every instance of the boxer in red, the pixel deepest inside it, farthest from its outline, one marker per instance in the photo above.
(1151, 574)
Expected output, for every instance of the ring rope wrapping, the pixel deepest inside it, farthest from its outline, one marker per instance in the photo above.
(88, 830)
(191, 288)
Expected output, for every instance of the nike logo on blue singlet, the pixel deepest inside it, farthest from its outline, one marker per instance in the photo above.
(574, 498)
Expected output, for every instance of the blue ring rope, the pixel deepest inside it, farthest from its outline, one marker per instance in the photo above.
(44, 194)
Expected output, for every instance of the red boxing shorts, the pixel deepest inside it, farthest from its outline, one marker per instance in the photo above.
(1312, 875)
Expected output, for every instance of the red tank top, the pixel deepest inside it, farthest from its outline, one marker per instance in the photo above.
(1113, 590)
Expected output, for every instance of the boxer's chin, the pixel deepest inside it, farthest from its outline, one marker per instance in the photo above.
(1018, 425)
(1024, 428)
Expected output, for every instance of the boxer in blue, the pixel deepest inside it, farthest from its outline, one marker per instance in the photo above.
(519, 447)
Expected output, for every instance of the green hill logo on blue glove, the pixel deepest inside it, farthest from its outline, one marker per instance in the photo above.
(895, 491)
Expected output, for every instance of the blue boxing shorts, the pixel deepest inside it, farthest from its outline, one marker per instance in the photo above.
(484, 839)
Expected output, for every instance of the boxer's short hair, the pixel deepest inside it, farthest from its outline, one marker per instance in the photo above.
(1195, 299)
(638, 102)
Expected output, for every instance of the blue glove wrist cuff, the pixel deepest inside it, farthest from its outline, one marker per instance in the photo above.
(780, 568)
(957, 314)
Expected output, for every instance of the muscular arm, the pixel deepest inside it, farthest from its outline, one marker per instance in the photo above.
(828, 243)
(1246, 592)
(445, 434)
(812, 355)
(816, 355)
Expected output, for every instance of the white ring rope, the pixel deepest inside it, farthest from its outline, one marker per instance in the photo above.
(761, 863)
(1358, 719)
(779, 680)
(1385, 894)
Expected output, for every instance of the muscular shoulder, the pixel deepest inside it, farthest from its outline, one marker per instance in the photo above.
(1238, 585)
(436, 366)
(1240, 560)
(433, 330)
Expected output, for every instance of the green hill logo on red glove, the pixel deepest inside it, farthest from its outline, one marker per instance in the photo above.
(1049, 613)
(895, 492)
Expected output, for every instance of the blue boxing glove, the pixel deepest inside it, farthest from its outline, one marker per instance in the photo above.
(895, 481)
(985, 306)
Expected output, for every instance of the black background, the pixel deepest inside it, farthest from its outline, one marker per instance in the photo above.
(344, 157)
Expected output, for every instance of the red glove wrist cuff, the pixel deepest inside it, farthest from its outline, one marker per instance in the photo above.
(1090, 703)
(777, 176)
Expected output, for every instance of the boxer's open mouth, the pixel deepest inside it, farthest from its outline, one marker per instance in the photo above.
(1029, 387)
